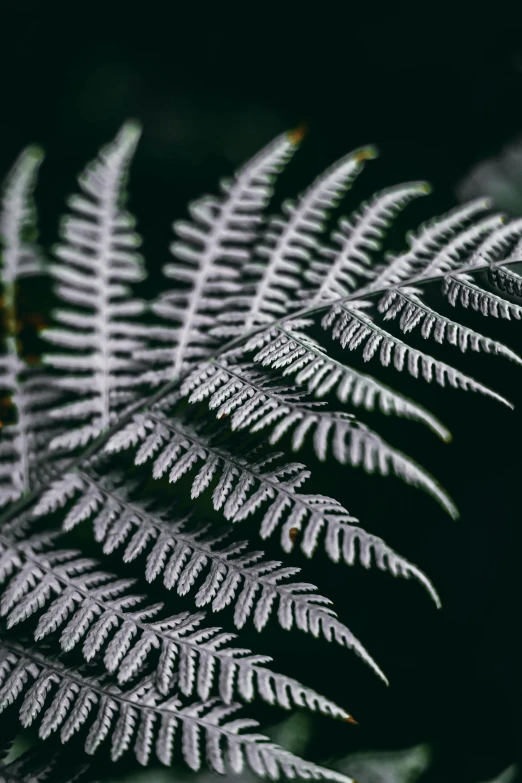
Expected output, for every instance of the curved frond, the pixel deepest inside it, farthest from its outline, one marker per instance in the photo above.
(425, 243)
(96, 262)
(99, 612)
(339, 270)
(505, 279)
(252, 402)
(414, 312)
(460, 289)
(354, 329)
(298, 355)
(25, 389)
(289, 242)
(65, 700)
(212, 248)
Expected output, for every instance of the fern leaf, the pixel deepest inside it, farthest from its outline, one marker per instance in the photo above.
(93, 608)
(460, 289)
(212, 248)
(338, 271)
(96, 261)
(312, 614)
(408, 303)
(245, 484)
(354, 329)
(465, 242)
(273, 276)
(26, 390)
(505, 279)
(141, 719)
(297, 354)
(425, 243)
(254, 403)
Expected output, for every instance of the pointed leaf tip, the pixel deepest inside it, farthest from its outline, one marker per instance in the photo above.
(297, 134)
(131, 129)
(34, 152)
(366, 153)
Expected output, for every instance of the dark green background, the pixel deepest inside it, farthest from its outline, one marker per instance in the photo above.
(438, 88)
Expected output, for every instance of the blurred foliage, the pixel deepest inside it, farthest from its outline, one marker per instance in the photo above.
(500, 178)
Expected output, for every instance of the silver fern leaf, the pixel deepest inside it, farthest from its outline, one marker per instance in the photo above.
(96, 262)
(63, 699)
(248, 481)
(212, 249)
(272, 277)
(265, 297)
(99, 611)
(25, 386)
(354, 328)
(340, 270)
(297, 354)
(253, 403)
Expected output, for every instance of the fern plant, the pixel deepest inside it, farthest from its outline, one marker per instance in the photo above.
(196, 388)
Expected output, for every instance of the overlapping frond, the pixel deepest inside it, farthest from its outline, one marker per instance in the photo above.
(235, 575)
(103, 614)
(254, 403)
(414, 312)
(272, 278)
(341, 269)
(67, 700)
(98, 333)
(247, 482)
(354, 328)
(27, 395)
(426, 243)
(461, 289)
(299, 355)
(210, 252)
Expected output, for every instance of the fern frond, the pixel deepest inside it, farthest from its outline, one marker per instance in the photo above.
(20, 257)
(212, 249)
(97, 261)
(297, 603)
(244, 483)
(338, 270)
(254, 294)
(65, 700)
(257, 588)
(353, 328)
(414, 312)
(98, 611)
(288, 244)
(425, 243)
(25, 388)
(254, 403)
(505, 279)
(298, 355)
(461, 289)
(464, 244)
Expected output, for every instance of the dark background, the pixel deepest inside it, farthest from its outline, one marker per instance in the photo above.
(437, 88)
